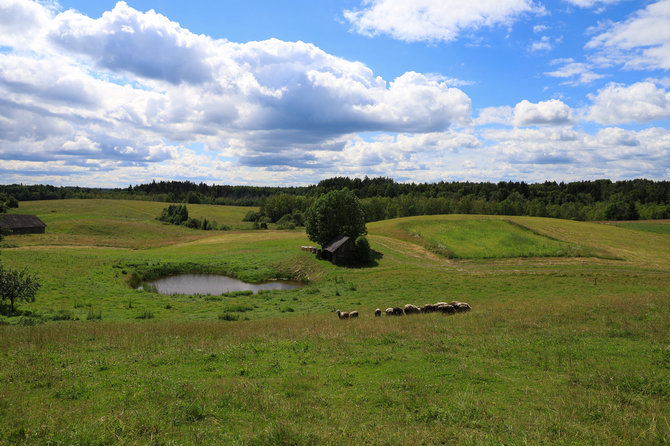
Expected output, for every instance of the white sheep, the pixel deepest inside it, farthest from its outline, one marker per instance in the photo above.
(378, 312)
(460, 307)
(342, 315)
(446, 308)
(412, 309)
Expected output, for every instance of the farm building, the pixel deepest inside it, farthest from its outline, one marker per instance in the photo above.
(338, 249)
(22, 224)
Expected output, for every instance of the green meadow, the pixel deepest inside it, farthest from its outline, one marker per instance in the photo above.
(484, 238)
(568, 340)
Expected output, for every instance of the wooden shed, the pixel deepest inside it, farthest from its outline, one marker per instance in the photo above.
(339, 249)
(22, 224)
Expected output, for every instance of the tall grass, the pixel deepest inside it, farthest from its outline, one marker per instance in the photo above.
(560, 371)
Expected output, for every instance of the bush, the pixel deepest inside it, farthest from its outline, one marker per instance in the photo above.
(193, 223)
(175, 214)
(17, 285)
(252, 216)
(362, 251)
(286, 222)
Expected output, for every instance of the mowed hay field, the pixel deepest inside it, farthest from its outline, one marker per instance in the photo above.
(568, 340)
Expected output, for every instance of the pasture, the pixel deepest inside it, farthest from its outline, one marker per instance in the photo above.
(567, 341)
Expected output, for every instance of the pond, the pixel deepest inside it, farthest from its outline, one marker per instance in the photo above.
(213, 284)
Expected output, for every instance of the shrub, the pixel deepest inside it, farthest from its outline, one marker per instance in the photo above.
(362, 251)
(286, 222)
(175, 214)
(252, 216)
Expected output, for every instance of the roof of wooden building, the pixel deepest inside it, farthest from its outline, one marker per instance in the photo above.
(336, 243)
(13, 221)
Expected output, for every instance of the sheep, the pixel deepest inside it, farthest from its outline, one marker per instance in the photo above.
(412, 309)
(378, 312)
(428, 308)
(446, 308)
(389, 311)
(463, 307)
(342, 315)
(353, 314)
(460, 307)
(397, 311)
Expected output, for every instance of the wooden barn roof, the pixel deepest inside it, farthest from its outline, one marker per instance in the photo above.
(14, 221)
(336, 243)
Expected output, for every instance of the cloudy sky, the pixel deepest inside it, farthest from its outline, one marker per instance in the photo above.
(262, 92)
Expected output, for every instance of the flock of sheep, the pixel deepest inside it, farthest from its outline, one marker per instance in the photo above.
(440, 307)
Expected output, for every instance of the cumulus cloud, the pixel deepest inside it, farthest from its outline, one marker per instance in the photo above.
(641, 42)
(133, 89)
(435, 20)
(21, 21)
(145, 44)
(551, 112)
(620, 104)
(559, 153)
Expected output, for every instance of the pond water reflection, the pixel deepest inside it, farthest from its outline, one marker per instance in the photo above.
(213, 284)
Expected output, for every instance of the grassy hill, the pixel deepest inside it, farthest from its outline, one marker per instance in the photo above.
(567, 341)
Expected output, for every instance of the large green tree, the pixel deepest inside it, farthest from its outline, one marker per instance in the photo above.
(338, 212)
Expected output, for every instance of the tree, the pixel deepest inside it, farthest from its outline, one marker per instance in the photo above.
(338, 212)
(17, 285)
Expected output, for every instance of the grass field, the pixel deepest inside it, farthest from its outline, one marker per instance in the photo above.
(647, 226)
(485, 238)
(558, 349)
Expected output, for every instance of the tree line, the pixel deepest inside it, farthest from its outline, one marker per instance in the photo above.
(384, 198)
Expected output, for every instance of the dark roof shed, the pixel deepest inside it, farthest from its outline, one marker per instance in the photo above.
(22, 224)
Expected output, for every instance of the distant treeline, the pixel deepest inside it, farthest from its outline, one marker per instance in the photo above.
(384, 198)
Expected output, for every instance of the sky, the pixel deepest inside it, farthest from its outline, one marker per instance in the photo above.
(261, 92)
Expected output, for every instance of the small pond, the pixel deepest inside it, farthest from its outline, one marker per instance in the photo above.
(214, 284)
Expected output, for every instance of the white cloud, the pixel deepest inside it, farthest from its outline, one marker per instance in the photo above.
(495, 115)
(544, 44)
(641, 42)
(564, 154)
(118, 92)
(21, 21)
(551, 112)
(575, 73)
(435, 20)
(591, 3)
(95, 101)
(620, 104)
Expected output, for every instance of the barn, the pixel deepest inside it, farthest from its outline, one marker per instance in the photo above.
(339, 249)
(22, 224)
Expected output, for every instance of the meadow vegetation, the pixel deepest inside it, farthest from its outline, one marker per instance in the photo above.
(568, 340)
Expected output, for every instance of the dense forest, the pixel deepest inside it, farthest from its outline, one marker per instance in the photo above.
(384, 198)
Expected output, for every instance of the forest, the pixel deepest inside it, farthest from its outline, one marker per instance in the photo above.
(385, 198)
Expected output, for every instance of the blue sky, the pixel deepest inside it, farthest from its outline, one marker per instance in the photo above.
(109, 93)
